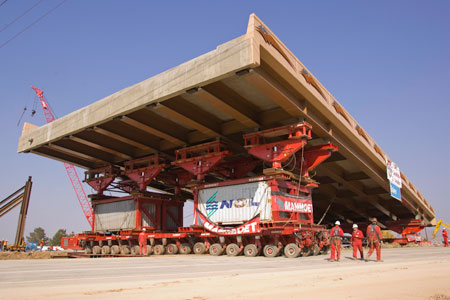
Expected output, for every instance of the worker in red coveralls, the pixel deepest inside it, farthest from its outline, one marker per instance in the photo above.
(336, 235)
(142, 243)
(445, 236)
(374, 238)
(357, 237)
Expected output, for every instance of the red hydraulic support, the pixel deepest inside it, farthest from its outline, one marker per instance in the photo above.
(178, 178)
(237, 168)
(279, 151)
(142, 171)
(99, 179)
(405, 227)
(199, 160)
(314, 156)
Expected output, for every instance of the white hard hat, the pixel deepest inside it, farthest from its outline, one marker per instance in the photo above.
(337, 223)
(355, 225)
(144, 229)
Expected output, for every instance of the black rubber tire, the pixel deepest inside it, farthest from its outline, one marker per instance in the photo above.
(199, 248)
(185, 248)
(106, 250)
(291, 250)
(216, 249)
(96, 250)
(171, 249)
(134, 250)
(306, 251)
(232, 249)
(125, 250)
(270, 250)
(115, 249)
(149, 250)
(88, 250)
(316, 250)
(159, 250)
(251, 250)
(324, 249)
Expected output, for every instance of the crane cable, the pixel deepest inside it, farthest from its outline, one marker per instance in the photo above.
(34, 22)
(20, 16)
(3, 2)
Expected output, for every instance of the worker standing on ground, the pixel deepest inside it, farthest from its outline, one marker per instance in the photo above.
(445, 236)
(42, 243)
(357, 237)
(142, 243)
(336, 235)
(374, 239)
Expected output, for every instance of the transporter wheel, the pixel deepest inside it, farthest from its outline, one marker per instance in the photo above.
(251, 250)
(216, 249)
(325, 249)
(134, 250)
(96, 250)
(199, 248)
(171, 249)
(149, 250)
(270, 250)
(306, 251)
(316, 250)
(115, 249)
(125, 250)
(232, 249)
(159, 250)
(88, 250)
(106, 250)
(291, 250)
(185, 248)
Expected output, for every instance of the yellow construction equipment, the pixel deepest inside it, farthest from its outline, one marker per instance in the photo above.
(439, 225)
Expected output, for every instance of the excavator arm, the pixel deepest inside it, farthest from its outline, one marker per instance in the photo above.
(438, 225)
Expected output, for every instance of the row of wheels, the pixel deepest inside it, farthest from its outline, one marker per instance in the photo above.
(250, 250)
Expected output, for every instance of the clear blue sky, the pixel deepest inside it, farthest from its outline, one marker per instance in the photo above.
(387, 62)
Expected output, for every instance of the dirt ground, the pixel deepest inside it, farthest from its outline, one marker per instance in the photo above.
(406, 273)
(31, 255)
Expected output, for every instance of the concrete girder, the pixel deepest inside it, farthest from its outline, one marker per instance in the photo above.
(336, 173)
(226, 107)
(100, 147)
(160, 134)
(125, 140)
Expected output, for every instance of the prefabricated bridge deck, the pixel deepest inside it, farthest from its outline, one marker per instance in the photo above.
(250, 83)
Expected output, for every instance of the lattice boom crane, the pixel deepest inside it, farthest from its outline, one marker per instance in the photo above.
(70, 169)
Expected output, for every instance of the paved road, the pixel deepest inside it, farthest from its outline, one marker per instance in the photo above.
(107, 272)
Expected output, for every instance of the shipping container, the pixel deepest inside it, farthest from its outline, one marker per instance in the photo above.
(137, 212)
(237, 203)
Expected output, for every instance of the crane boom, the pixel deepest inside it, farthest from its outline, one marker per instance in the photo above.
(70, 169)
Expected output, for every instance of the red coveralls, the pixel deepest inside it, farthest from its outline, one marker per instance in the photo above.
(336, 234)
(357, 237)
(142, 243)
(445, 236)
(374, 237)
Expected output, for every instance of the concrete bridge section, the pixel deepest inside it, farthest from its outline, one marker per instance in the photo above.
(250, 83)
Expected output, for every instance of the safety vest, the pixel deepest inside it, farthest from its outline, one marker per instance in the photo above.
(336, 231)
(373, 231)
(335, 234)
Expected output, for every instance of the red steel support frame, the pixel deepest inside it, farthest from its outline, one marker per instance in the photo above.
(279, 151)
(314, 156)
(142, 171)
(99, 179)
(199, 160)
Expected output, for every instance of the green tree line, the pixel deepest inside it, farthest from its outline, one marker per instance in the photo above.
(38, 235)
